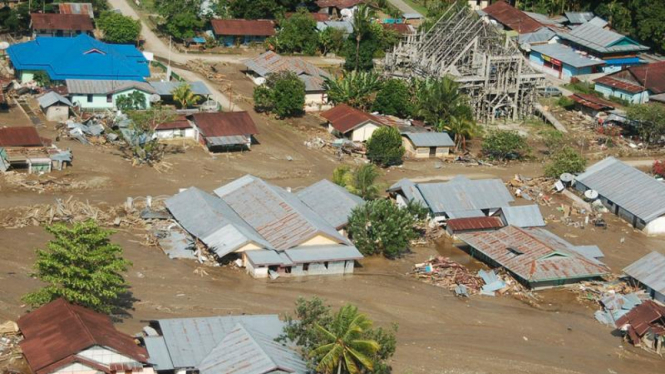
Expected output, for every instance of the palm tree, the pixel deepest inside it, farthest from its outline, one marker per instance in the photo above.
(438, 99)
(462, 129)
(354, 88)
(364, 181)
(345, 350)
(184, 95)
(361, 21)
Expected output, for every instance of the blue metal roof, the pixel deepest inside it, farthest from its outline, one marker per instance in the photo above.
(81, 57)
(623, 61)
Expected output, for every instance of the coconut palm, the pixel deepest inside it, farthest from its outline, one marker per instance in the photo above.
(462, 129)
(353, 88)
(364, 181)
(184, 95)
(361, 24)
(345, 350)
(440, 99)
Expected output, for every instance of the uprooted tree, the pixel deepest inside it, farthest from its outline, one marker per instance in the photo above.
(143, 147)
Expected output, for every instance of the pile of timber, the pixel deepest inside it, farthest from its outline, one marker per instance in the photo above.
(446, 273)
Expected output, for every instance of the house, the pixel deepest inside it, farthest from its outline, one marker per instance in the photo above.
(591, 105)
(241, 31)
(22, 147)
(165, 89)
(460, 225)
(332, 202)
(63, 338)
(80, 57)
(427, 144)
(54, 24)
(401, 29)
(521, 216)
(271, 229)
(24, 136)
(350, 123)
(224, 130)
(345, 26)
(457, 198)
(562, 61)
(615, 49)
(94, 95)
(313, 77)
(76, 8)
(55, 106)
(649, 271)
(334, 8)
(510, 18)
(535, 257)
(627, 192)
(177, 128)
(634, 84)
(578, 18)
(644, 326)
(542, 36)
(221, 344)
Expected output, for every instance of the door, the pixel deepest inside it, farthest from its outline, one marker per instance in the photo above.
(432, 152)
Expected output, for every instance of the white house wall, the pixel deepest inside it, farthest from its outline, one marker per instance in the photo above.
(655, 227)
(76, 368)
(364, 132)
(176, 134)
(105, 356)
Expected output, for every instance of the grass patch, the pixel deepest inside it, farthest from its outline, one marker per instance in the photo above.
(417, 6)
(581, 87)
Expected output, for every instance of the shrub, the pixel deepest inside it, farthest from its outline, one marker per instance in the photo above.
(385, 146)
(566, 103)
(394, 99)
(505, 145)
(567, 160)
(659, 168)
(283, 94)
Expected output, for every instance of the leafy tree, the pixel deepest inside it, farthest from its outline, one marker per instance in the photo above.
(651, 120)
(118, 28)
(133, 101)
(143, 146)
(462, 128)
(617, 14)
(381, 227)
(353, 88)
(331, 40)
(385, 147)
(180, 18)
(82, 266)
(42, 78)
(283, 94)
(297, 34)
(566, 160)
(255, 9)
(361, 29)
(360, 181)
(184, 95)
(343, 347)
(649, 25)
(439, 100)
(394, 99)
(505, 145)
(263, 100)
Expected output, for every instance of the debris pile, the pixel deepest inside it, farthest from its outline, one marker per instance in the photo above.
(9, 342)
(446, 273)
(41, 183)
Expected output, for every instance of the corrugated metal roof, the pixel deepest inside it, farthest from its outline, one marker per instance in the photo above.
(76, 8)
(429, 139)
(159, 354)
(533, 254)
(24, 136)
(166, 88)
(345, 118)
(105, 87)
(541, 36)
(248, 351)
(649, 270)
(264, 257)
(474, 223)
(332, 202)
(597, 21)
(345, 26)
(64, 22)
(279, 216)
(323, 253)
(224, 141)
(592, 101)
(615, 83)
(566, 54)
(600, 40)
(523, 216)
(50, 98)
(512, 17)
(243, 27)
(463, 194)
(626, 186)
(465, 214)
(225, 124)
(190, 340)
(589, 251)
(578, 18)
(270, 62)
(646, 317)
(409, 189)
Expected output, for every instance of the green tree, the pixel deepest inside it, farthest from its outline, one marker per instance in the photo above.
(505, 145)
(133, 101)
(143, 146)
(118, 28)
(385, 147)
(255, 9)
(283, 94)
(297, 34)
(651, 119)
(394, 98)
(263, 100)
(361, 28)
(180, 18)
(353, 88)
(566, 160)
(439, 100)
(82, 266)
(361, 181)
(649, 25)
(42, 78)
(344, 348)
(184, 95)
(462, 129)
(331, 40)
(381, 227)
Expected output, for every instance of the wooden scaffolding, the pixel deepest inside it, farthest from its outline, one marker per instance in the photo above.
(489, 67)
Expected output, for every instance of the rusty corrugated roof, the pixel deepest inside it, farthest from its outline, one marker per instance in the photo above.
(225, 124)
(24, 136)
(339, 4)
(242, 27)
(474, 223)
(66, 22)
(648, 316)
(345, 118)
(76, 8)
(58, 330)
(512, 17)
(592, 101)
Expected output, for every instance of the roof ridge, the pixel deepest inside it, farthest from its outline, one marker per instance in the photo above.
(79, 319)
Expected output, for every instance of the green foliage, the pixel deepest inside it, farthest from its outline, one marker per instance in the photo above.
(362, 43)
(581, 87)
(353, 88)
(133, 101)
(255, 9)
(462, 128)
(553, 139)
(184, 96)
(118, 28)
(180, 18)
(42, 78)
(381, 227)
(566, 103)
(82, 266)
(361, 181)
(143, 146)
(263, 100)
(312, 315)
(384, 147)
(651, 120)
(505, 145)
(331, 40)
(648, 21)
(439, 100)
(566, 160)
(394, 98)
(617, 14)
(283, 94)
(297, 34)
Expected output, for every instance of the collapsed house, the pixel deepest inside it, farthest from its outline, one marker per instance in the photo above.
(627, 192)
(272, 230)
(63, 338)
(222, 344)
(22, 147)
(535, 257)
(644, 326)
(490, 69)
(649, 271)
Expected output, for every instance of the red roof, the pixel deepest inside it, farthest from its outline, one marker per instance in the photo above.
(344, 118)
(68, 22)
(319, 17)
(642, 318)
(512, 18)
(591, 101)
(59, 330)
(25, 136)
(242, 27)
(339, 4)
(180, 122)
(651, 76)
(474, 223)
(401, 28)
(610, 81)
(225, 124)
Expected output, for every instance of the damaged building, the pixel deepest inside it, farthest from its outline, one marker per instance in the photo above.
(488, 66)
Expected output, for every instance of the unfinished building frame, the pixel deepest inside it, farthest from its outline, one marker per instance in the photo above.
(489, 67)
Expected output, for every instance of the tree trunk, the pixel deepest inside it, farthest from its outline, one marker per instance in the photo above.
(357, 51)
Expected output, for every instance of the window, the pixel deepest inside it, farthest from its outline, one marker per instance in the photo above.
(89, 98)
(109, 98)
(305, 267)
